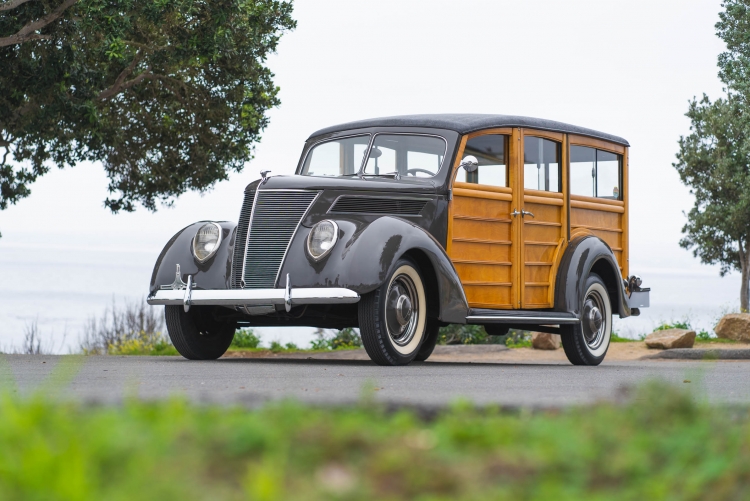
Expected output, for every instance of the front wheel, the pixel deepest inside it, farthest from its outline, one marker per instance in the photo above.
(393, 317)
(198, 334)
(587, 343)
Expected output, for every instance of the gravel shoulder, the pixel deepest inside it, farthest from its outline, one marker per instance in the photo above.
(618, 352)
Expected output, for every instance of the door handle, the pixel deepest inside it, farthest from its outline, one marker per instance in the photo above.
(525, 212)
(516, 213)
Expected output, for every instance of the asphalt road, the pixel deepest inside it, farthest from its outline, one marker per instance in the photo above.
(251, 382)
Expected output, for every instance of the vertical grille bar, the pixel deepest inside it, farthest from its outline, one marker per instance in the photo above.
(275, 219)
(239, 242)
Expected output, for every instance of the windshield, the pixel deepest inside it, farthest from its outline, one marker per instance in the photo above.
(407, 155)
(341, 157)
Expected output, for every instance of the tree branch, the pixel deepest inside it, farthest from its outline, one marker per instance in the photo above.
(12, 4)
(28, 32)
(118, 85)
(121, 85)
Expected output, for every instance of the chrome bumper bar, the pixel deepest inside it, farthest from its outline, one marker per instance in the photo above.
(254, 297)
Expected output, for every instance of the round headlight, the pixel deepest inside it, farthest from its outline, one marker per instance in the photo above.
(322, 238)
(206, 241)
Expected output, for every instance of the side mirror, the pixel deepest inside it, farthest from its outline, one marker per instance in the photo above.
(470, 163)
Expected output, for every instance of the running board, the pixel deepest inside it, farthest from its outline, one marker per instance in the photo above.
(524, 317)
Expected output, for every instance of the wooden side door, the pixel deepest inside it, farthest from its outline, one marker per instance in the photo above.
(481, 230)
(543, 232)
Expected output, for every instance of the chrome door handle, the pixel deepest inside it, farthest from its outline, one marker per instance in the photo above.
(516, 213)
(525, 212)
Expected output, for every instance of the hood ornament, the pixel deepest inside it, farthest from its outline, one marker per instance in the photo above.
(264, 175)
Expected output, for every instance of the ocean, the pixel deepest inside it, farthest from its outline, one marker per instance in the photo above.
(60, 280)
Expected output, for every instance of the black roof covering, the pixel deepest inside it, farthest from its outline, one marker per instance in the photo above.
(464, 123)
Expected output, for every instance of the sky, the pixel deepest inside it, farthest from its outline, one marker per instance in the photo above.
(628, 68)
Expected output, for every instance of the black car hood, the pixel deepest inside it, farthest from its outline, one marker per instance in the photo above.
(354, 183)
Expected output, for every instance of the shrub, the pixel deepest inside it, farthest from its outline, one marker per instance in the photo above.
(517, 339)
(245, 338)
(134, 329)
(664, 444)
(344, 339)
(476, 334)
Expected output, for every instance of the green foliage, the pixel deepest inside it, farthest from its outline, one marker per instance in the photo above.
(245, 338)
(664, 445)
(517, 339)
(345, 339)
(277, 347)
(714, 159)
(704, 335)
(144, 346)
(463, 334)
(476, 334)
(675, 324)
(169, 95)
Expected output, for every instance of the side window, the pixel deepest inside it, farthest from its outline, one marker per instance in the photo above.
(541, 164)
(594, 173)
(582, 171)
(490, 150)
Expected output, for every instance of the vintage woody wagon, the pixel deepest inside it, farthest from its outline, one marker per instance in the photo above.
(405, 224)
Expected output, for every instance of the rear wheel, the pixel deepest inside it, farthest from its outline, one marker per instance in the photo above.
(197, 334)
(587, 343)
(393, 317)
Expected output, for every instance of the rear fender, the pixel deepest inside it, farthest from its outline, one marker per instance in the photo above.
(584, 255)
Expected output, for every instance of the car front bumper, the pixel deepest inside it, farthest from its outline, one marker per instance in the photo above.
(254, 297)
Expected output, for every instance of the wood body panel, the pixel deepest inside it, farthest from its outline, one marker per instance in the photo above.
(482, 247)
(511, 262)
(542, 236)
(597, 219)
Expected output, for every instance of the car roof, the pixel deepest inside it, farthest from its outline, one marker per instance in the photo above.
(464, 123)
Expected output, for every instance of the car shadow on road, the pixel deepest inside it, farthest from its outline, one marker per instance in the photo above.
(369, 363)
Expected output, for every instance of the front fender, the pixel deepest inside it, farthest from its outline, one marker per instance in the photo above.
(584, 255)
(365, 256)
(213, 274)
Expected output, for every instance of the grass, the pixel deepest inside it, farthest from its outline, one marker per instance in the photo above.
(614, 338)
(664, 445)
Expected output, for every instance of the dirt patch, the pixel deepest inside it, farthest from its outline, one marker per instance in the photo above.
(488, 353)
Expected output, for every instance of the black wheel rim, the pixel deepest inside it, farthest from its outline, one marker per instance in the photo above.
(402, 310)
(593, 322)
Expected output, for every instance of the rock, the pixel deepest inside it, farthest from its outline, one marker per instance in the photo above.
(734, 326)
(545, 341)
(671, 338)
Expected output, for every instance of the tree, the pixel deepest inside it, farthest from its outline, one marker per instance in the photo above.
(169, 95)
(714, 161)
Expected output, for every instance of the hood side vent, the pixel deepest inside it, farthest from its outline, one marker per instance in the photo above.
(378, 205)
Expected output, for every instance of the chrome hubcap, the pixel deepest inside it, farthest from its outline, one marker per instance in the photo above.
(593, 321)
(401, 302)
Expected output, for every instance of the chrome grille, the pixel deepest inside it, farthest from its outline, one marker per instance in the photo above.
(275, 218)
(379, 205)
(239, 242)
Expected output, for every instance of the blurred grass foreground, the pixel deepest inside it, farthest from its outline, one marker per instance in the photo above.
(663, 445)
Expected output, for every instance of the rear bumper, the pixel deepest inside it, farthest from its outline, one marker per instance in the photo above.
(254, 297)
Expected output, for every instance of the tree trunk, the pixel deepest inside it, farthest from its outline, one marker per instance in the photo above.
(745, 270)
